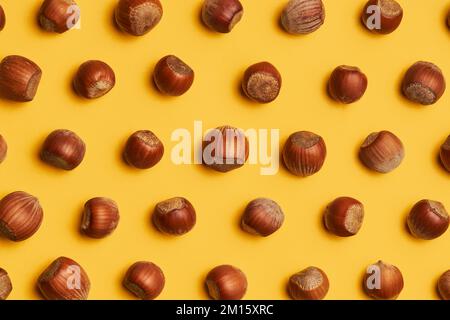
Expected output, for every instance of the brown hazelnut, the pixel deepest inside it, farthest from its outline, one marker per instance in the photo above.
(225, 148)
(226, 282)
(304, 153)
(428, 219)
(5, 284)
(175, 216)
(382, 16)
(20, 216)
(2, 18)
(344, 216)
(382, 151)
(137, 17)
(443, 285)
(63, 149)
(303, 16)
(172, 76)
(262, 217)
(383, 281)
(347, 84)
(59, 15)
(222, 15)
(262, 82)
(423, 83)
(145, 280)
(94, 79)
(64, 279)
(19, 78)
(143, 150)
(309, 284)
(3, 148)
(100, 217)
(444, 154)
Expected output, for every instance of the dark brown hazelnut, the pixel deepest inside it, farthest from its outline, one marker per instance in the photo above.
(225, 148)
(175, 216)
(428, 219)
(444, 154)
(303, 16)
(262, 217)
(3, 149)
(100, 217)
(448, 19)
(143, 150)
(63, 149)
(137, 17)
(383, 281)
(344, 216)
(262, 82)
(5, 285)
(145, 280)
(304, 153)
(226, 282)
(347, 84)
(444, 285)
(19, 78)
(59, 15)
(382, 151)
(2, 18)
(20, 216)
(172, 76)
(94, 79)
(309, 284)
(222, 15)
(382, 16)
(64, 279)
(423, 83)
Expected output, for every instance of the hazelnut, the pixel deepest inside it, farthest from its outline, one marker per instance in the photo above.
(344, 216)
(64, 279)
(309, 284)
(143, 150)
(145, 280)
(390, 16)
(3, 148)
(225, 148)
(63, 149)
(444, 154)
(382, 152)
(443, 285)
(303, 16)
(94, 79)
(175, 216)
(226, 282)
(20, 216)
(2, 18)
(59, 15)
(304, 153)
(262, 82)
(423, 83)
(262, 217)
(19, 78)
(100, 217)
(347, 84)
(383, 281)
(5, 284)
(222, 15)
(137, 17)
(172, 76)
(428, 219)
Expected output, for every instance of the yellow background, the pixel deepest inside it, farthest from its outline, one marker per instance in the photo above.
(219, 61)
